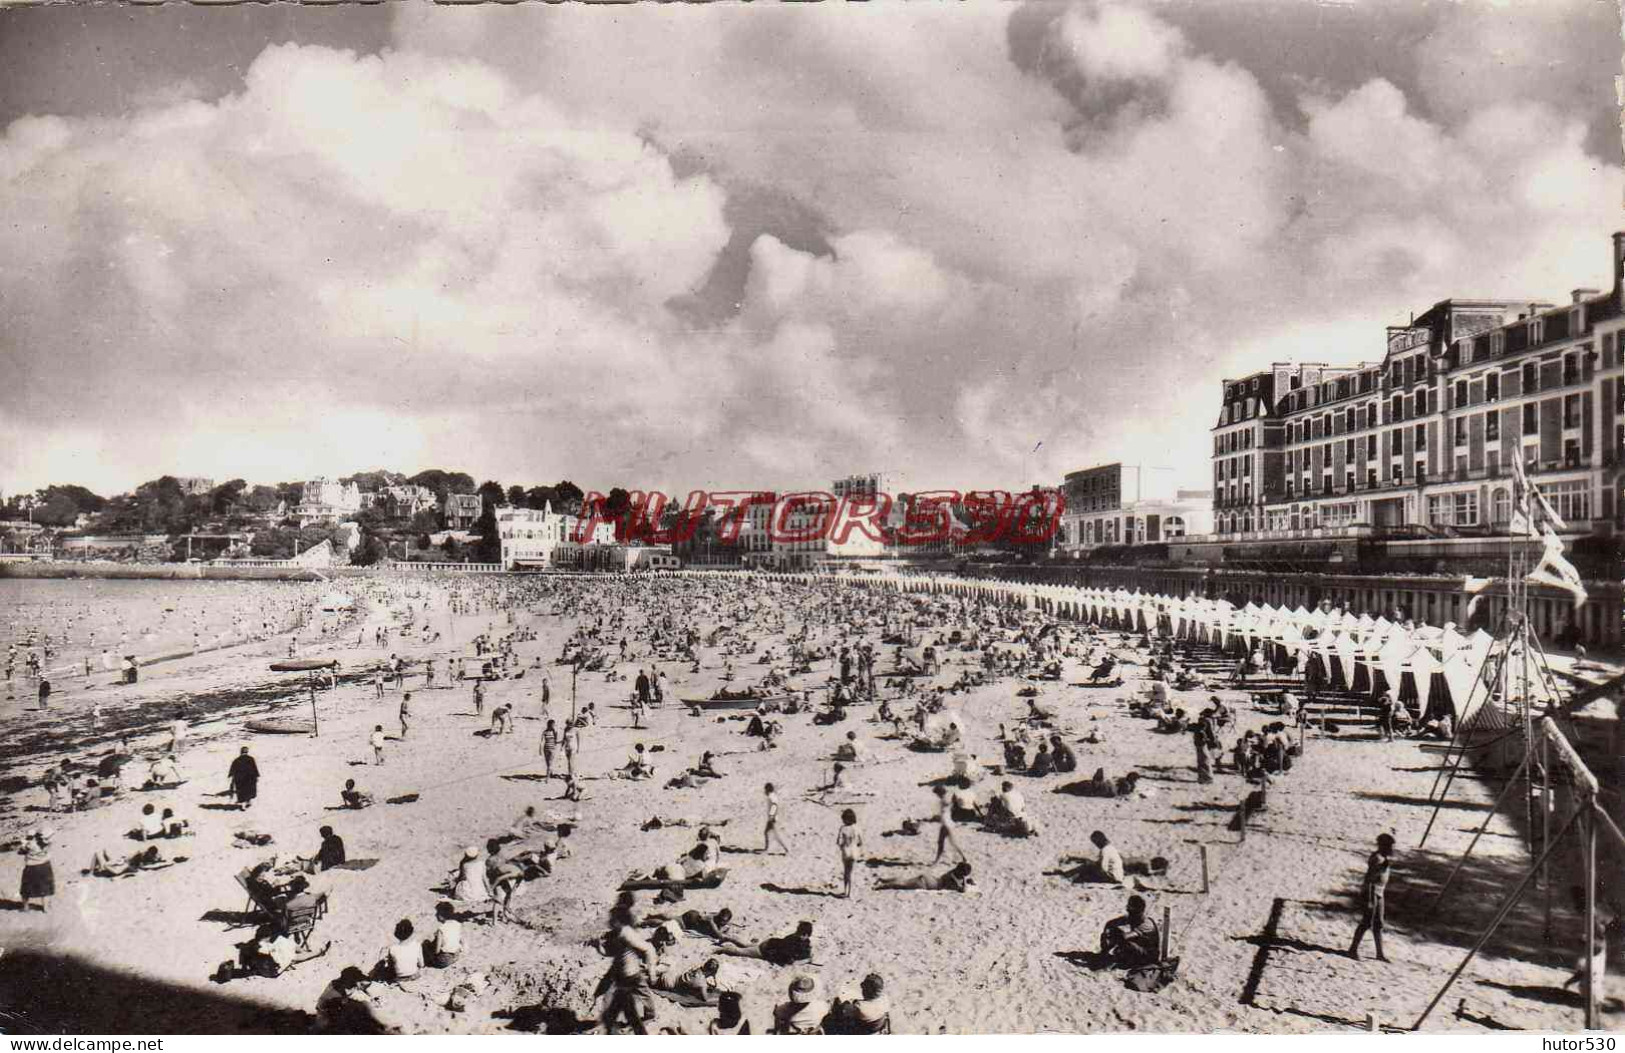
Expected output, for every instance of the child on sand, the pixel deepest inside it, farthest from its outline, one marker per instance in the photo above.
(770, 831)
(377, 740)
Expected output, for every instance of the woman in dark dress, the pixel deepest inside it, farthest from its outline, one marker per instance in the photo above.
(245, 779)
(39, 880)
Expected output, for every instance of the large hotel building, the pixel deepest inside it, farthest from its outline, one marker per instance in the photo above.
(1420, 444)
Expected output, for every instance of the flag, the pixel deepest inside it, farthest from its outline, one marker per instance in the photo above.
(1531, 509)
(1554, 568)
(1475, 587)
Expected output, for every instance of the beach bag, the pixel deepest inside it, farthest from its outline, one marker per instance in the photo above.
(1151, 978)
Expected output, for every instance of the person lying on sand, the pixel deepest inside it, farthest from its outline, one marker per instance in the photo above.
(712, 926)
(698, 983)
(957, 879)
(174, 826)
(103, 864)
(780, 950)
(1100, 786)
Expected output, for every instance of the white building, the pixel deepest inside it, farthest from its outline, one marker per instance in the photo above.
(326, 500)
(532, 538)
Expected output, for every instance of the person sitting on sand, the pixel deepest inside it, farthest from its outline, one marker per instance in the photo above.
(354, 798)
(1043, 763)
(328, 855)
(446, 945)
(469, 885)
(174, 826)
(730, 1016)
(151, 825)
(1006, 813)
(851, 751)
(638, 766)
(346, 1006)
(780, 950)
(1061, 756)
(1105, 868)
(869, 1014)
(1131, 940)
(1037, 714)
(804, 1013)
(957, 879)
(402, 960)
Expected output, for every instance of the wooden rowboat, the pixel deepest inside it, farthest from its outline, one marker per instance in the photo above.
(281, 726)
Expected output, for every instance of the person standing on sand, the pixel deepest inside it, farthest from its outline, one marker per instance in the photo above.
(39, 880)
(44, 692)
(377, 740)
(946, 826)
(479, 698)
(550, 743)
(1372, 893)
(406, 712)
(572, 746)
(245, 779)
(770, 832)
(850, 841)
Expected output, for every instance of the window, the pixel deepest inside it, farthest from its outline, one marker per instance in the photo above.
(1461, 431)
(1289, 486)
(1492, 426)
(1501, 505)
(1421, 436)
(1348, 480)
(1420, 473)
(1492, 386)
(1571, 453)
(1348, 419)
(1531, 419)
(1397, 470)
(1396, 409)
(1466, 508)
(1571, 411)
(1348, 452)
(1571, 369)
(1461, 466)
(1571, 500)
(1371, 478)
(1370, 446)
(1461, 393)
(1531, 378)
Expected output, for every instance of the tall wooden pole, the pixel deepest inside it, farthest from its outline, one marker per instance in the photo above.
(1591, 914)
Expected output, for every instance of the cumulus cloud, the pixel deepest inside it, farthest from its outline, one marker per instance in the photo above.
(760, 246)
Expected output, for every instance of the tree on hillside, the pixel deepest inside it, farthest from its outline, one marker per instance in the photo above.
(443, 482)
(567, 498)
(375, 480)
(290, 493)
(262, 499)
(227, 497)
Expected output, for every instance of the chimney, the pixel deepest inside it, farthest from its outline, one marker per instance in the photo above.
(1581, 295)
(1619, 262)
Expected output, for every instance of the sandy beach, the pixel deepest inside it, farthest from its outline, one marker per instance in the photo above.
(1260, 950)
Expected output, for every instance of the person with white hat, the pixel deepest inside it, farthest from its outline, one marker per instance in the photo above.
(39, 879)
(804, 1013)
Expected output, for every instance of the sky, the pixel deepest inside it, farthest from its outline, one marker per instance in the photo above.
(763, 246)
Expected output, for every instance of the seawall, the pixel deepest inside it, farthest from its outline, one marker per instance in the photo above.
(154, 571)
